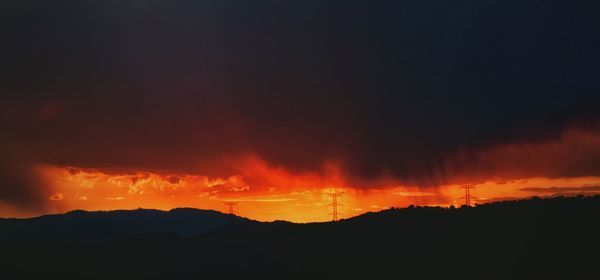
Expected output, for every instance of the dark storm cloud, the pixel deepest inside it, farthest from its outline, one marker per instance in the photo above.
(564, 190)
(384, 88)
(20, 187)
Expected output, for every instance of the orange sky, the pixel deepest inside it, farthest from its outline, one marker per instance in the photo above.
(266, 192)
(142, 108)
(281, 195)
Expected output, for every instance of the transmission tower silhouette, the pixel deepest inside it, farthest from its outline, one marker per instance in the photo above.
(334, 205)
(230, 207)
(468, 197)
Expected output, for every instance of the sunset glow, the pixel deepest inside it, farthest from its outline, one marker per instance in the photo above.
(119, 106)
(267, 192)
(284, 196)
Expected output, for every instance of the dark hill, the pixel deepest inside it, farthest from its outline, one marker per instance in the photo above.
(554, 238)
(84, 226)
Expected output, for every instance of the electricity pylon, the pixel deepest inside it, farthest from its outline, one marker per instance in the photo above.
(334, 205)
(468, 197)
(230, 207)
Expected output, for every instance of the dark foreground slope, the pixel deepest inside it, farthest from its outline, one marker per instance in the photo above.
(529, 239)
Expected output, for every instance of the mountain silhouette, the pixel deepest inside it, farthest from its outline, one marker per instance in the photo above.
(526, 239)
(98, 226)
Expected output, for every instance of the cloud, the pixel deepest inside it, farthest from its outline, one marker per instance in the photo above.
(20, 185)
(359, 95)
(564, 190)
(265, 198)
(413, 194)
(572, 153)
(57, 196)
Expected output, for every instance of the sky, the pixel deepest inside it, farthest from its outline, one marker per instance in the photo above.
(275, 104)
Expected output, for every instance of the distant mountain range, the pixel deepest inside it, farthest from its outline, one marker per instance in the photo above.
(556, 238)
(84, 226)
